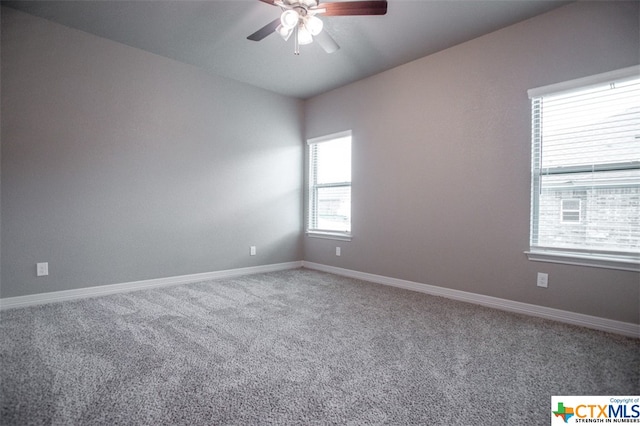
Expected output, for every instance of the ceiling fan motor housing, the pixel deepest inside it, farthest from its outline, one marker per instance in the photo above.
(302, 3)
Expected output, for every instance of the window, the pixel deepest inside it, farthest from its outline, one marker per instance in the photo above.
(570, 210)
(329, 213)
(585, 204)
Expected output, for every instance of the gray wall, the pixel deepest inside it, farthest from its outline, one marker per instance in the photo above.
(119, 165)
(441, 161)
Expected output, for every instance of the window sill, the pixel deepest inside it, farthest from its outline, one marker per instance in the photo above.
(340, 236)
(623, 263)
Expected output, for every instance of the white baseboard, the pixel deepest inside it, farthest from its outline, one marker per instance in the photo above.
(103, 290)
(597, 323)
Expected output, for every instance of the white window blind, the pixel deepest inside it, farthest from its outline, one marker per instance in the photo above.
(330, 185)
(586, 169)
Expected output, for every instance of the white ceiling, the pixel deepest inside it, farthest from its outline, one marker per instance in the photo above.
(211, 34)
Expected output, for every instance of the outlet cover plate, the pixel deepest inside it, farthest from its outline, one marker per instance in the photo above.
(42, 269)
(543, 280)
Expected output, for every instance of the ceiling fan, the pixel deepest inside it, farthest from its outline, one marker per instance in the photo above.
(299, 19)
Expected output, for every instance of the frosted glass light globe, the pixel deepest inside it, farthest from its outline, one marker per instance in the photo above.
(314, 25)
(289, 19)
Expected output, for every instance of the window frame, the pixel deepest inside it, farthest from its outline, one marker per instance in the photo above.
(583, 257)
(312, 189)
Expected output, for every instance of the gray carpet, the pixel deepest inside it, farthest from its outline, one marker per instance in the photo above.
(297, 347)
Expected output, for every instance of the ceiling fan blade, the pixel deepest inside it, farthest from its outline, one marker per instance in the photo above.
(326, 42)
(265, 31)
(348, 8)
(271, 2)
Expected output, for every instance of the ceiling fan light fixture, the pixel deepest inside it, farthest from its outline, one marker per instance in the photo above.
(289, 19)
(314, 25)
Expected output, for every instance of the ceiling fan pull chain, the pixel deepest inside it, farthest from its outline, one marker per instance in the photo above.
(296, 46)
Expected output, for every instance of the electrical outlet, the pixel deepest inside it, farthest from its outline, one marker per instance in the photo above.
(338, 251)
(543, 279)
(252, 250)
(42, 269)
